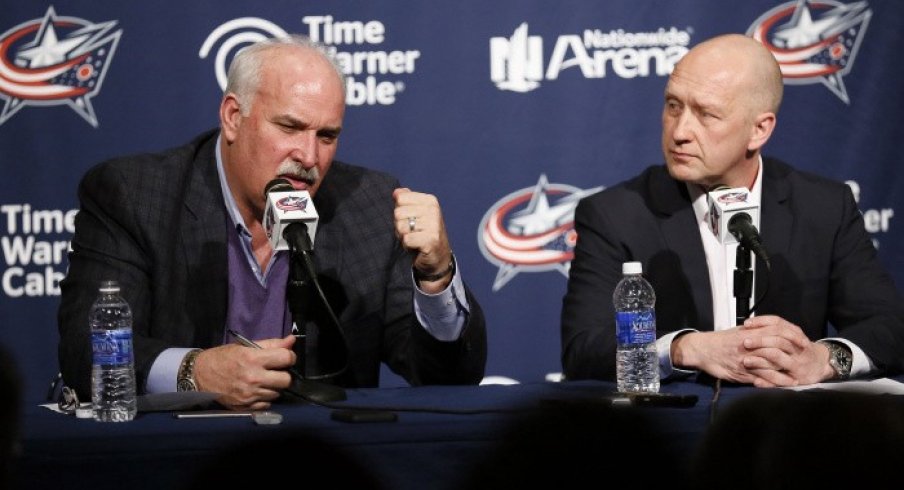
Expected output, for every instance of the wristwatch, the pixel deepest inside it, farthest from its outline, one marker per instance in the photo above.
(185, 380)
(840, 359)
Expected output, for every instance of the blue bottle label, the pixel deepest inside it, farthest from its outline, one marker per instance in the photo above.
(112, 347)
(635, 327)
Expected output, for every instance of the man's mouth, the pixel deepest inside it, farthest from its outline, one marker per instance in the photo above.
(681, 156)
(299, 184)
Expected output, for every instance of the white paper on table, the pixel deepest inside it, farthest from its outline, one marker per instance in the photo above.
(873, 386)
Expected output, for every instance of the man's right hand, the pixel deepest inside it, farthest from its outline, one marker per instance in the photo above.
(720, 354)
(246, 378)
(766, 351)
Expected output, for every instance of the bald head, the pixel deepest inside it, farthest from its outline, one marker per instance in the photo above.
(740, 60)
(720, 109)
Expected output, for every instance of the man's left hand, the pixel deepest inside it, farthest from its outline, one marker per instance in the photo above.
(779, 353)
(420, 227)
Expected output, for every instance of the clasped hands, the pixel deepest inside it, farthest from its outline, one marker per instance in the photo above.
(766, 351)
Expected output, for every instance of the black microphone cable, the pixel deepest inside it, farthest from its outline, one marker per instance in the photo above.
(301, 274)
(758, 302)
(312, 276)
(309, 269)
(717, 387)
(714, 401)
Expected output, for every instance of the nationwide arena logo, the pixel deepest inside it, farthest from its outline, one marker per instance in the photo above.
(55, 60)
(531, 230)
(366, 71)
(814, 41)
(516, 62)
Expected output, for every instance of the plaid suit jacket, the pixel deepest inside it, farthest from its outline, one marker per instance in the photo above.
(157, 224)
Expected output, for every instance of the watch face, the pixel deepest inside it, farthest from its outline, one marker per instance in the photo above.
(840, 361)
(186, 385)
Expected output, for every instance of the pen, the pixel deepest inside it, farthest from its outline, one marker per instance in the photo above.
(260, 418)
(243, 340)
(254, 345)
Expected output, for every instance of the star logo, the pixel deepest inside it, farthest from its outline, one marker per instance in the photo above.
(531, 230)
(814, 41)
(731, 197)
(55, 60)
(292, 203)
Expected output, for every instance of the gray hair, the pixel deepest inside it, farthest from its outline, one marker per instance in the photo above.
(245, 70)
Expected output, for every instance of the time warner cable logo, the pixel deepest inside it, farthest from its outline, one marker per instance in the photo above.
(516, 62)
(373, 76)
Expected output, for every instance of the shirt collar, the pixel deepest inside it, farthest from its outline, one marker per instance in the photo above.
(228, 200)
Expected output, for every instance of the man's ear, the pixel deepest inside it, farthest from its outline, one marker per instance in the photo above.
(230, 117)
(763, 124)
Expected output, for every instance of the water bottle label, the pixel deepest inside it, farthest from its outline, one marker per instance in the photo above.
(636, 327)
(112, 347)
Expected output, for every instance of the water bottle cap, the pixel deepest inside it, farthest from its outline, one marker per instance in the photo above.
(109, 287)
(632, 268)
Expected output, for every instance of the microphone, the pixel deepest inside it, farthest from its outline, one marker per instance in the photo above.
(290, 222)
(290, 219)
(731, 218)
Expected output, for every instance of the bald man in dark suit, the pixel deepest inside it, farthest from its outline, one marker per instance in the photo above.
(720, 109)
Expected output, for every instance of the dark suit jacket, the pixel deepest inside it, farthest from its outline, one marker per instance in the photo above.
(824, 266)
(157, 224)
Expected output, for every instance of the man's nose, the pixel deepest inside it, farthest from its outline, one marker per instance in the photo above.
(306, 150)
(682, 127)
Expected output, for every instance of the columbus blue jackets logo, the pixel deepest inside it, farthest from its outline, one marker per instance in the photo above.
(814, 41)
(531, 230)
(292, 203)
(732, 197)
(54, 61)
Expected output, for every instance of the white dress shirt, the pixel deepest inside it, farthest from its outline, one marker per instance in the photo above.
(721, 263)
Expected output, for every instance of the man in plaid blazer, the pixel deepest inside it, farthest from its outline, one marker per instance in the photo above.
(181, 231)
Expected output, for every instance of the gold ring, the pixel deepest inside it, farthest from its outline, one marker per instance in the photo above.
(412, 220)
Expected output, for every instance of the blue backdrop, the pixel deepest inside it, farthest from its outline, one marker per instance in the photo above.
(508, 111)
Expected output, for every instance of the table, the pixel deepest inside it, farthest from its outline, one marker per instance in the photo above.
(157, 450)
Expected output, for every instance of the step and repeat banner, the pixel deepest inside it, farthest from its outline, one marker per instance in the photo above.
(509, 111)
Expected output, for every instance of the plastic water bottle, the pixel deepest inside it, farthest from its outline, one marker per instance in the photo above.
(113, 367)
(636, 360)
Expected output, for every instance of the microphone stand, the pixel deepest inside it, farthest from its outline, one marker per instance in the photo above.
(301, 274)
(743, 284)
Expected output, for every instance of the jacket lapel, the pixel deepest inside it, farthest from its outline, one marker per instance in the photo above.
(204, 229)
(671, 201)
(776, 221)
